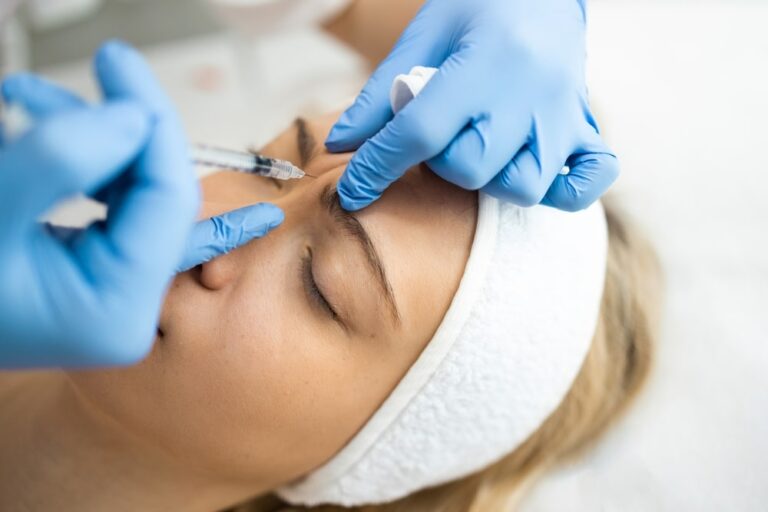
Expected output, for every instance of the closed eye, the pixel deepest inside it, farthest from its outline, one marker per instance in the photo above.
(315, 295)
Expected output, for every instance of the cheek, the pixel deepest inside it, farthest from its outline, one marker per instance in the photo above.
(248, 384)
(295, 378)
(210, 389)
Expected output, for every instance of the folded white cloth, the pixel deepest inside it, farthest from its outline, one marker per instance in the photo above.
(405, 87)
(503, 358)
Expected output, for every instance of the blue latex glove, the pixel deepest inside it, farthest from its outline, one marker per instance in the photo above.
(505, 112)
(92, 297)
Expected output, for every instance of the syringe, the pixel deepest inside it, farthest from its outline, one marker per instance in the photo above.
(16, 120)
(242, 161)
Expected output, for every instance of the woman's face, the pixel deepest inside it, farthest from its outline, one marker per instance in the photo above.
(272, 357)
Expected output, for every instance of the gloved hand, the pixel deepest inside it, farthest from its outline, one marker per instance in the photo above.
(92, 297)
(504, 113)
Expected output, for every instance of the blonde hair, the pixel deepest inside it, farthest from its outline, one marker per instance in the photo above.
(613, 372)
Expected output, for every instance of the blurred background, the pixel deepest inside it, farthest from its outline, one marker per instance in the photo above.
(236, 68)
(681, 90)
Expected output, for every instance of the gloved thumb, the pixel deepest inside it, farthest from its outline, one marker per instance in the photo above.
(221, 234)
(593, 169)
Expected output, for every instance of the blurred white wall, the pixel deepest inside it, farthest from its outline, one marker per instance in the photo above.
(60, 33)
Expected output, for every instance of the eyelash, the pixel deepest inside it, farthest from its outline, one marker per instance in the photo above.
(309, 279)
(312, 289)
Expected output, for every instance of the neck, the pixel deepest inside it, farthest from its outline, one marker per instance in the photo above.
(59, 453)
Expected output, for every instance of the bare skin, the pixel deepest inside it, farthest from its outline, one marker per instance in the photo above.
(372, 26)
(256, 379)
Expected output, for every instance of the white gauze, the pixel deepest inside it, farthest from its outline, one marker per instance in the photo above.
(501, 361)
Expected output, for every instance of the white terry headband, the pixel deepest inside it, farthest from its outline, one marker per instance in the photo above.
(502, 360)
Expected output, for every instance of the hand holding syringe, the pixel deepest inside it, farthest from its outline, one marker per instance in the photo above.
(17, 121)
(92, 296)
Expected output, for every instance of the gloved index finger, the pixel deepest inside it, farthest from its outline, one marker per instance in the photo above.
(421, 130)
(218, 235)
(39, 97)
(123, 73)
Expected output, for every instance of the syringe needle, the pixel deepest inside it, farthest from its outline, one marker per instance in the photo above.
(248, 162)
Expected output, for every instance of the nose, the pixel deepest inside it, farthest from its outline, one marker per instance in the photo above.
(219, 272)
(224, 271)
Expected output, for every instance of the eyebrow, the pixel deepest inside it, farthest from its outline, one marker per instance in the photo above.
(305, 141)
(329, 198)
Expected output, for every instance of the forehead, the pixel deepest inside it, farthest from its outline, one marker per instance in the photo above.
(422, 228)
